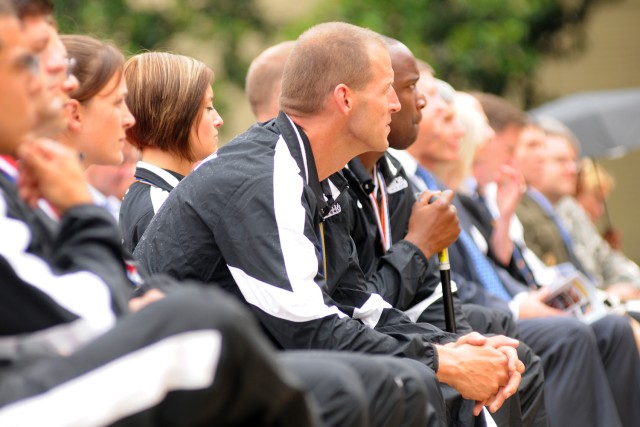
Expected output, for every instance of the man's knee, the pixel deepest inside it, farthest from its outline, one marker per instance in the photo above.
(334, 386)
(614, 333)
(423, 394)
(195, 306)
(574, 332)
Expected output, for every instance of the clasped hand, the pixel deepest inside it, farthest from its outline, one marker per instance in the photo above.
(484, 369)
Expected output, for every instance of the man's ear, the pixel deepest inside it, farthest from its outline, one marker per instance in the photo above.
(74, 115)
(343, 98)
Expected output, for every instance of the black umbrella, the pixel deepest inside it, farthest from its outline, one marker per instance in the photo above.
(607, 123)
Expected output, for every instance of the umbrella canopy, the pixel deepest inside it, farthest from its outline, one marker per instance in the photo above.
(607, 123)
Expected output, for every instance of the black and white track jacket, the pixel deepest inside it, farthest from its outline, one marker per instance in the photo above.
(143, 199)
(401, 273)
(253, 220)
(60, 284)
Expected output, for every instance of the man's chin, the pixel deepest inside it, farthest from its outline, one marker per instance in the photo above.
(383, 146)
(403, 144)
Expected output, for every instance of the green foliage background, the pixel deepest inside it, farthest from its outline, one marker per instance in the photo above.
(489, 45)
(139, 28)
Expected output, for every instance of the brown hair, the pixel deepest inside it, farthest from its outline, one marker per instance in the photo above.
(6, 9)
(500, 112)
(325, 56)
(165, 97)
(96, 63)
(262, 84)
(26, 8)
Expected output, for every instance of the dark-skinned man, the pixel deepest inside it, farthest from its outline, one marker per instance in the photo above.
(395, 241)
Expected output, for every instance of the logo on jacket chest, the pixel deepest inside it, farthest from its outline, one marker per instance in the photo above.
(332, 210)
(398, 184)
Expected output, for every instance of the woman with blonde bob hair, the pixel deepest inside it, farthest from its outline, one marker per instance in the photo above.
(176, 127)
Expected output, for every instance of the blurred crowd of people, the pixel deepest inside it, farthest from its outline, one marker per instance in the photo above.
(290, 277)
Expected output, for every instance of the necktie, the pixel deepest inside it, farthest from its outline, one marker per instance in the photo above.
(484, 270)
(428, 179)
(544, 203)
(523, 268)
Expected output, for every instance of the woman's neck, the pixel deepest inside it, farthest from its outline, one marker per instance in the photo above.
(166, 160)
(65, 138)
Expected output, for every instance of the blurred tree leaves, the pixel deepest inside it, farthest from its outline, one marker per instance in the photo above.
(212, 31)
(489, 45)
(136, 25)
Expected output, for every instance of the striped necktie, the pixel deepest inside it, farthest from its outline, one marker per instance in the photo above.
(428, 179)
(485, 272)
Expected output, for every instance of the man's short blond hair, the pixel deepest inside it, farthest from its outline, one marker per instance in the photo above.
(501, 112)
(325, 56)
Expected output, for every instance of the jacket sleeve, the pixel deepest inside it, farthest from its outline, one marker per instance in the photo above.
(401, 273)
(83, 278)
(89, 240)
(272, 247)
(598, 258)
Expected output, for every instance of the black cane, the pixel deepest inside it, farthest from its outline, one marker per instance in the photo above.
(447, 297)
(445, 280)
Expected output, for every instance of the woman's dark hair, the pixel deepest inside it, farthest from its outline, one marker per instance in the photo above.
(96, 63)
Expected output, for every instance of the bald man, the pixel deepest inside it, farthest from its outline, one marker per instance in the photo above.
(263, 82)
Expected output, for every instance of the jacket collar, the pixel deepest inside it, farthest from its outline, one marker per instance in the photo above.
(156, 176)
(297, 141)
(385, 166)
(361, 175)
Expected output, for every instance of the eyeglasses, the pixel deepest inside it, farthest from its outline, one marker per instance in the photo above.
(32, 63)
(26, 62)
(71, 66)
